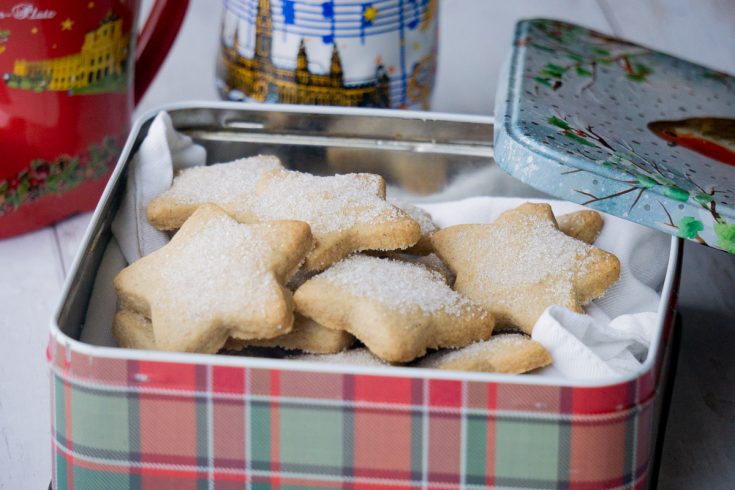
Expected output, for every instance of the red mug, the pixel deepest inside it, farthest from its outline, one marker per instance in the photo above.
(67, 94)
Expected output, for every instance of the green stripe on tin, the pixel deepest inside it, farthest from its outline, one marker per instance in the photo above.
(88, 478)
(134, 425)
(88, 408)
(565, 438)
(202, 446)
(631, 441)
(348, 429)
(60, 407)
(417, 430)
(526, 450)
(476, 453)
(321, 427)
(260, 435)
(62, 469)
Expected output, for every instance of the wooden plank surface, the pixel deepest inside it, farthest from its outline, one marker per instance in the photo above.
(30, 283)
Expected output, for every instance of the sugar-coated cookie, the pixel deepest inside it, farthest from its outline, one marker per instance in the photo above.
(306, 335)
(355, 357)
(583, 225)
(133, 331)
(430, 261)
(423, 218)
(347, 213)
(505, 353)
(397, 309)
(230, 185)
(216, 278)
(521, 264)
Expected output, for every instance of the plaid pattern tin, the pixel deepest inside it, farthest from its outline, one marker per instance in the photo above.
(133, 419)
(126, 423)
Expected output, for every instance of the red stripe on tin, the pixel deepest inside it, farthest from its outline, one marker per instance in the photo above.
(226, 379)
(372, 486)
(168, 375)
(605, 399)
(445, 393)
(492, 402)
(275, 431)
(383, 389)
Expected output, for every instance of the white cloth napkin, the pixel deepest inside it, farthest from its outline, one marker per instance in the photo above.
(612, 340)
(163, 151)
(585, 348)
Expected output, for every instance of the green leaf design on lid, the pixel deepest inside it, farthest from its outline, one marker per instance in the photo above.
(676, 193)
(725, 236)
(703, 198)
(559, 123)
(646, 182)
(689, 227)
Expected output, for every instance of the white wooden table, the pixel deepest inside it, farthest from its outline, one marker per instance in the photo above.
(475, 35)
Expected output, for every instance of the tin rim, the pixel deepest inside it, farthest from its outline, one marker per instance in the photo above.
(70, 344)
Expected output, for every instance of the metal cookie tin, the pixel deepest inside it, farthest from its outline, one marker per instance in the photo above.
(128, 418)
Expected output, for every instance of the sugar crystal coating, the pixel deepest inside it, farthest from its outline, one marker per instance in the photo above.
(496, 344)
(398, 285)
(535, 255)
(222, 182)
(328, 204)
(193, 273)
(357, 357)
(423, 218)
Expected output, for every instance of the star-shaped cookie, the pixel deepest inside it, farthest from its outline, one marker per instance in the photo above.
(426, 223)
(522, 263)
(216, 278)
(229, 185)
(347, 213)
(583, 225)
(134, 331)
(504, 353)
(397, 309)
(306, 335)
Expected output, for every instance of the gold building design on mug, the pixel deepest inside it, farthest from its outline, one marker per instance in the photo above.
(260, 79)
(103, 57)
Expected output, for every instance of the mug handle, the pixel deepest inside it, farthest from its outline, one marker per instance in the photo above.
(155, 40)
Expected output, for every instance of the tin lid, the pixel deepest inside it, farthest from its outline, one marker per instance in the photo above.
(620, 128)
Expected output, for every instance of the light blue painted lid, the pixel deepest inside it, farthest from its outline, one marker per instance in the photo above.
(620, 128)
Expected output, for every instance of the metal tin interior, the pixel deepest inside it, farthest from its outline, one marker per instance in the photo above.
(423, 156)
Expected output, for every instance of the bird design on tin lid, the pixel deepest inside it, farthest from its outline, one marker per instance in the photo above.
(709, 136)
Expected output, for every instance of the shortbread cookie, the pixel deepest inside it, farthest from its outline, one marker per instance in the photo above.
(397, 309)
(506, 353)
(216, 278)
(306, 335)
(347, 213)
(355, 357)
(431, 261)
(229, 185)
(133, 331)
(521, 264)
(423, 218)
(583, 225)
